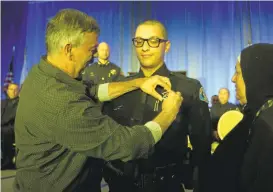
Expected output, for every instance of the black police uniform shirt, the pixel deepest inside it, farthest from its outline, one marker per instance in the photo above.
(101, 73)
(137, 107)
(218, 109)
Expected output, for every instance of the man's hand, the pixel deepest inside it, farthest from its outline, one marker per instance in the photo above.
(170, 108)
(150, 84)
(172, 103)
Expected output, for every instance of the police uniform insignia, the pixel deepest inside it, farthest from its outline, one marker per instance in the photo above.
(113, 72)
(156, 105)
(202, 95)
(91, 74)
(165, 94)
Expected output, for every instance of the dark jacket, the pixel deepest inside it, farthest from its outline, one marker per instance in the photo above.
(243, 160)
(136, 108)
(217, 110)
(8, 113)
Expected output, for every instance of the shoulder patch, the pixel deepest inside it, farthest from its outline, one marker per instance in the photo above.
(202, 95)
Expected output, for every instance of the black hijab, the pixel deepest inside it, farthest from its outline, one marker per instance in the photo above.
(257, 70)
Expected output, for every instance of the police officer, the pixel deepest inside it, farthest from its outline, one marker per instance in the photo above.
(102, 71)
(163, 171)
(218, 109)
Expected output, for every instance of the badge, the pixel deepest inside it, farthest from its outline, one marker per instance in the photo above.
(113, 72)
(91, 74)
(202, 95)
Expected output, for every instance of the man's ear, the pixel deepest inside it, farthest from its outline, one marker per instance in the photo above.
(68, 51)
(168, 46)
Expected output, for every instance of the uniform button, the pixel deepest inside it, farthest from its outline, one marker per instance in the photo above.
(162, 178)
(102, 78)
(173, 176)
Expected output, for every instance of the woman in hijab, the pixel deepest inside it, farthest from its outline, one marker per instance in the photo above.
(243, 162)
(257, 73)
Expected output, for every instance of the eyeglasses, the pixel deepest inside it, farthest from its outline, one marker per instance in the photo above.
(153, 42)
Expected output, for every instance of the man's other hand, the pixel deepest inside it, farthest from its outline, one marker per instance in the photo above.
(150, 84)
(172, 102)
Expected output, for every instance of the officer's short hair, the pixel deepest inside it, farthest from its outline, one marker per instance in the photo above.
(68, 27)
(155, 22)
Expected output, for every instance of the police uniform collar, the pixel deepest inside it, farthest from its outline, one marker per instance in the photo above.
(103, 65)
(162, 71)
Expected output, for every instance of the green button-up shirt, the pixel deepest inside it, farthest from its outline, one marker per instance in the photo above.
(59, 128)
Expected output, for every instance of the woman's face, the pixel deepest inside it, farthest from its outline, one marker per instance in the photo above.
(239, 82)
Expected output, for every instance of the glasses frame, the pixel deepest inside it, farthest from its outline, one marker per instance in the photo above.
(147, 40)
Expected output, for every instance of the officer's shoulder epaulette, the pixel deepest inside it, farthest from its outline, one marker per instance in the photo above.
(197, 88)
(185, 78)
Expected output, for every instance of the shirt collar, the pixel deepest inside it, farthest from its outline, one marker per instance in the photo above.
(53, 71)
(103, 65)
(162, 71)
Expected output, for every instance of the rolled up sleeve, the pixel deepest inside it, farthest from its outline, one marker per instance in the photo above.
(99, 92)
(155, 130)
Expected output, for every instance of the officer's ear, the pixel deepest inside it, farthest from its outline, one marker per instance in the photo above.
(168, 46)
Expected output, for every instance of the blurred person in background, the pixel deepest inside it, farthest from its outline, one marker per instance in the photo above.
(219, 108)
(8, 113)
(102, 71)
(214, 100)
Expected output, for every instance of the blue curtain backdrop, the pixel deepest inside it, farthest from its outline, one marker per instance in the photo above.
(206, 37)
(13, 33)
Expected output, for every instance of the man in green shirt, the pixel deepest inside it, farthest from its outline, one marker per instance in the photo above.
(60, 132)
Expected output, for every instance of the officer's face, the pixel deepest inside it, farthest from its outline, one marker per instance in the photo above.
(239, 84)
(223, 96)
(79, 56)
(151, 57)
(13, 91)
(103, 51)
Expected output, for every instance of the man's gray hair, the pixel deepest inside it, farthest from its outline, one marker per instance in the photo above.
(68, 26)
